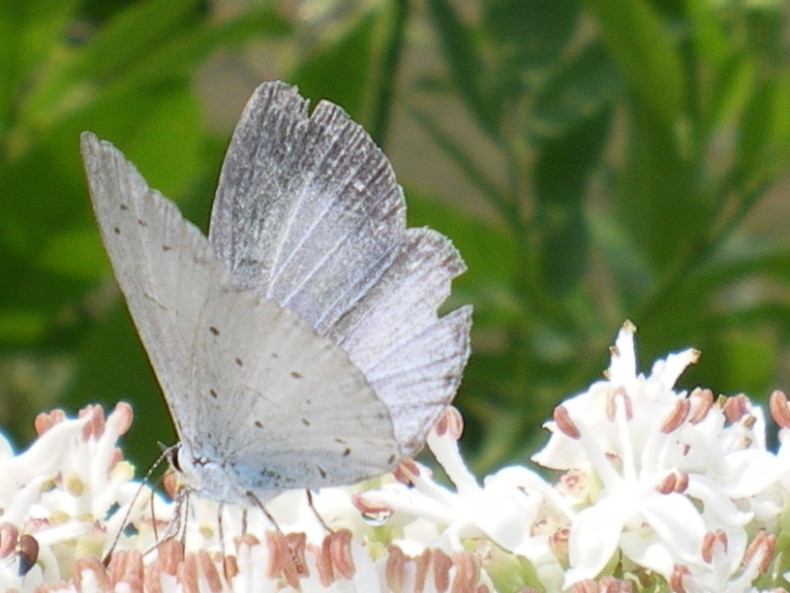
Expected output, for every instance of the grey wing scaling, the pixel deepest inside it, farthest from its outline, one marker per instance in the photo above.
(308, 213)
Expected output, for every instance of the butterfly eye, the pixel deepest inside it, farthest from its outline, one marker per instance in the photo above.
(174, 459)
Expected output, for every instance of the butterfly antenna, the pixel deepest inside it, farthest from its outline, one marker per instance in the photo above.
(153, 520)
(165, 452)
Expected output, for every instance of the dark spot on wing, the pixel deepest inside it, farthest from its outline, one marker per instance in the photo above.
(272, 475)
(308, 401)
(166, 248)
(258, 423)
(296, 375)
(340, 441)
(305, 421)
(346, 452)
(321, 471)
(213, 330)
(124, 206)
(213, 393)
(116, 230)
(141, 222)
(391, 459)
(275, 355)
(239, 362)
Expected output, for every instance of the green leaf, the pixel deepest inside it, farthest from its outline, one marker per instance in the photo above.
(29, 32)
(36, 303)
(129, 38)
(21, 325)
(393, 27)
(340, 71)
(741, 258)
(641, 46)
(464, 161)
(730, 90)
(73, 252)
(708, 31)
(583, 86)
(165, 55)
(659, 201)
(529, 33)
(561, 173)
(182, 53)
(764, 134)
(462, 55)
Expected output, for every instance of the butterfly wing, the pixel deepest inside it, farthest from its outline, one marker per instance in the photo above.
(246, 381)
(308, 213)
(413, 359)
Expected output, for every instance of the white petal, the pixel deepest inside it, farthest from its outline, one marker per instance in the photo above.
(594, 537)
(647, 550)
(750, 472)
(667, 371)
(623, 366)
(716, 500)
(677, 522)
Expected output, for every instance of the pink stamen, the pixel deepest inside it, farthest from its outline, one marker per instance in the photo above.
(677, 416)
(564, 422)
(780, 411)
(450, 422)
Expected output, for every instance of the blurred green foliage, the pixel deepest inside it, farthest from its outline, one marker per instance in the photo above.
(617, 156)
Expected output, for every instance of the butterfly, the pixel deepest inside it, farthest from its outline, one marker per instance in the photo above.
(298, 345)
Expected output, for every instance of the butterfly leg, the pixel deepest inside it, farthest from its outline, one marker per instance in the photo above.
(316, 513)
(166, 452)
(256, 501)
(221, 533)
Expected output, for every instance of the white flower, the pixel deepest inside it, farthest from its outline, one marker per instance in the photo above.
(510, 509)
(661, 490)
(64, 500)
(60, 492)
(668, 465)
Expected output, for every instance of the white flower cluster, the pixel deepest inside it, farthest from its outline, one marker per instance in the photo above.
(659, 491)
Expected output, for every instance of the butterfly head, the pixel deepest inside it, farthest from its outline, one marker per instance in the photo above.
(204, 476)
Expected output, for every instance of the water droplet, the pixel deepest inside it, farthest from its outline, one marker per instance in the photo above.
(377, 518)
